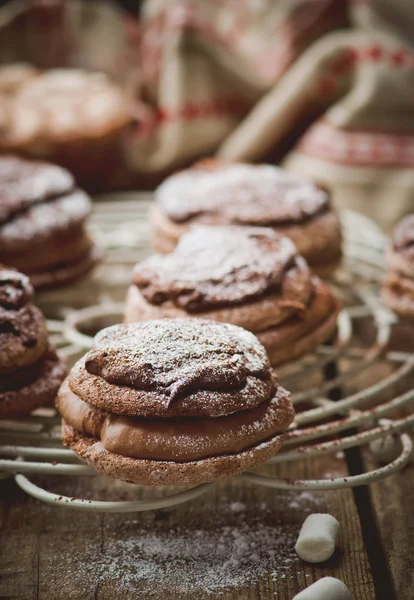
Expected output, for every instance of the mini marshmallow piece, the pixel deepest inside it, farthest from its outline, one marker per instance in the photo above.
(386, 448)
(327, 588)
(317, 539)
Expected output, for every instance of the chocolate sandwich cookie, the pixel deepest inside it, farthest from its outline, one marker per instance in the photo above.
(251, 277)
(174, 402)
(215, 193)
(42, 222)
(398, 285)
(30, 370)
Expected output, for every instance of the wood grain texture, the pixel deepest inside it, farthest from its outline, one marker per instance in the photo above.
(51, 553)
(393, 501)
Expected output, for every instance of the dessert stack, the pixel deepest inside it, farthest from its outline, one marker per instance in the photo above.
(30, 370)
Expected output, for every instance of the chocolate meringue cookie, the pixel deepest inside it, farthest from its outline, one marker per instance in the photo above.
(14, 75)
(71, 117)
(30, 370)
(251, 277)
(42, 222)
(174, 402)
(398, 285)
(215, 193)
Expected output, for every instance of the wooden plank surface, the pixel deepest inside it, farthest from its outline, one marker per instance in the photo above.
(55, 553)
(393, 501)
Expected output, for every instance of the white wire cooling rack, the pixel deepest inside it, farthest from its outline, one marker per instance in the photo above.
(333, 413)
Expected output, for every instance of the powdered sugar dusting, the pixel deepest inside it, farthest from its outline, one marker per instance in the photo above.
(190, 562)
(230, 552)
(227, 540)
(24, 183)
(71, 102)
(237, 506)
(213, 267)
(241, 193)
(43, 219)
(177, 355)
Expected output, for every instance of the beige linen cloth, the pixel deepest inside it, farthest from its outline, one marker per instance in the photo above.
(65, 33)
(279, 81)
(362, 143)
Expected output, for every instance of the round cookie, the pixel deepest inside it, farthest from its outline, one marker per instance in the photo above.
(35, 392)
(217, 193)
(30, 370)
(71, 117)
(22, 325)
(251, 277)
(14, 75)
(42, 222)
(398, 285)
(174, 402)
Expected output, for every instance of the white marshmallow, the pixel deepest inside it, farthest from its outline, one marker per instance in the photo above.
(386, 448)
(327, 588)
(318, 537)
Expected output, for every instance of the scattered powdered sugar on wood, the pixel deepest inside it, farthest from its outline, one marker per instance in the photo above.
(153, 555)
(237, 506)
(187, 560)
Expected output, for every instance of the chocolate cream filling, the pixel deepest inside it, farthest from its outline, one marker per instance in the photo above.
(177, 439)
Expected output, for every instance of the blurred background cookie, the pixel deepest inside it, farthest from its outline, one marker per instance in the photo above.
(398, 285)
(30, 370)
(42, 222)
(70, 117)
(216, 193)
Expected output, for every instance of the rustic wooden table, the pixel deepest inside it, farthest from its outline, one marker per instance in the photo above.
(56, 553)
(235, 541)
